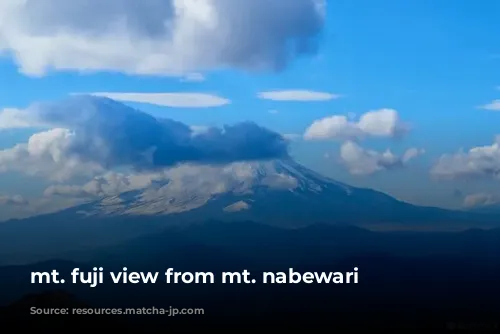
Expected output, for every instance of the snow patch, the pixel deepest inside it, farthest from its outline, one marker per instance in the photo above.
(238, 206)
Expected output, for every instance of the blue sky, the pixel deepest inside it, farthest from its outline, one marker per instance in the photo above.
(434, 62)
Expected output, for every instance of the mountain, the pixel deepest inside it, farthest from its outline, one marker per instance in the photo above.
(280, 193)
(277, 192)
(487, 209)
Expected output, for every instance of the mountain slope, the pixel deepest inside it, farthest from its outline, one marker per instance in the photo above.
(278, 192)
(235, 187)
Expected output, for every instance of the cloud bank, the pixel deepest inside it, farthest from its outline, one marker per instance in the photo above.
(483, 161)
(158, 37)
(89, 135)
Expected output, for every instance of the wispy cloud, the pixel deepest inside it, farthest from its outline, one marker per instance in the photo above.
(14, 200)
(480, 200)
(193, 77)
(175, 100)
(292, 136)
(297, 95)
(493, 106)
(13, 119)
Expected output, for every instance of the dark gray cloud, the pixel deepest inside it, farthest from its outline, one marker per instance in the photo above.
(112, 134)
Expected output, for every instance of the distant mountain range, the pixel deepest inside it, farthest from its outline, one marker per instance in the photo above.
(405, 278)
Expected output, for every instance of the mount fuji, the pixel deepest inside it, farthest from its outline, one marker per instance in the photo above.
(281, 193)
(277, 192)
(177, 175)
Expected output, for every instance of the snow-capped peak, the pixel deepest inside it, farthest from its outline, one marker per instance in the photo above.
(188, 187)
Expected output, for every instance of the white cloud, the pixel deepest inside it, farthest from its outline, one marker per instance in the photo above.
(174, 100)
(297, 95)
(13, 119)
(14, 206)
(236, 207)
(360, 161)
(187, 179)
(377, 123)
(273, 111)
(165, 37)
(482, 161)
(108, 184)
(292, 136)
(480, 200)
(20, 208)
(14, 200)
(412, 153)
(492, 106)
(194, 77)
(199, 129)
(175, 189)
(46, 154)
